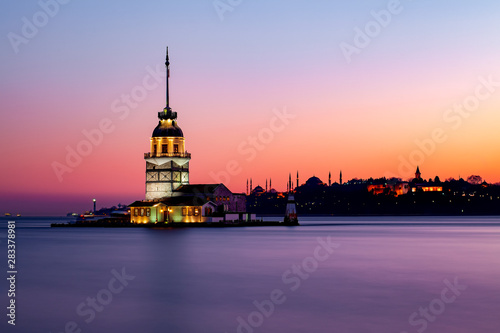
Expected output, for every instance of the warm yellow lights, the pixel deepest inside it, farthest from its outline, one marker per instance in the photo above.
(429, 189)
(166, 145)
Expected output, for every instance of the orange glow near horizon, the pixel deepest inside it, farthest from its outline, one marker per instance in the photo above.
(253, 101)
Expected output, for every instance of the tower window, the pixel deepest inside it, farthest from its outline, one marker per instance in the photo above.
(164, 148)
(176, 148)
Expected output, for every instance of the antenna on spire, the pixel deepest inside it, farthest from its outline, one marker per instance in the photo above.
(167, 112)
(167, 66)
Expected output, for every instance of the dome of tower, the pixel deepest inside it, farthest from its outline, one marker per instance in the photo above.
(167, 127)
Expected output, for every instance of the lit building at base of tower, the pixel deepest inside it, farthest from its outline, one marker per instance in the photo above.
(193, 204)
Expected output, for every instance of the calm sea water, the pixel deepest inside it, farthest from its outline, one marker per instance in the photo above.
(383, 274)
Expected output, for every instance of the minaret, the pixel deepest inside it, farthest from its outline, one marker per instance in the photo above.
(297, 185)
(251, 186)
(330, 178)
(247, 186)
(266, 184)
(290, 182)
(167, 163)
(270, 185)
(340, 180)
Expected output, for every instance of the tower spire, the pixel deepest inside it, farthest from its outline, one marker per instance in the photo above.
(417, 173)
(167, 66)
(167, 112)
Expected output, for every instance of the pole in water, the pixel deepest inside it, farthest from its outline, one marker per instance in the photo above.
(291, 211)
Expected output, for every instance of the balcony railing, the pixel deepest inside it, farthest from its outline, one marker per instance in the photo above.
(167, 114)
(152, 155)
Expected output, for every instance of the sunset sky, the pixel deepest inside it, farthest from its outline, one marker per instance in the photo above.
(372, 88)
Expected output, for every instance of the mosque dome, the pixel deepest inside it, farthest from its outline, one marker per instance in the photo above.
(314, 181)
(258, 190)
(167, 127)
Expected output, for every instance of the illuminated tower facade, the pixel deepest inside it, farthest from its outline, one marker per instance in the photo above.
(167, 162)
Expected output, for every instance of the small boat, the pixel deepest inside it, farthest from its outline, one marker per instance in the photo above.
(8, 214)
(18, 215)
(90, 217)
